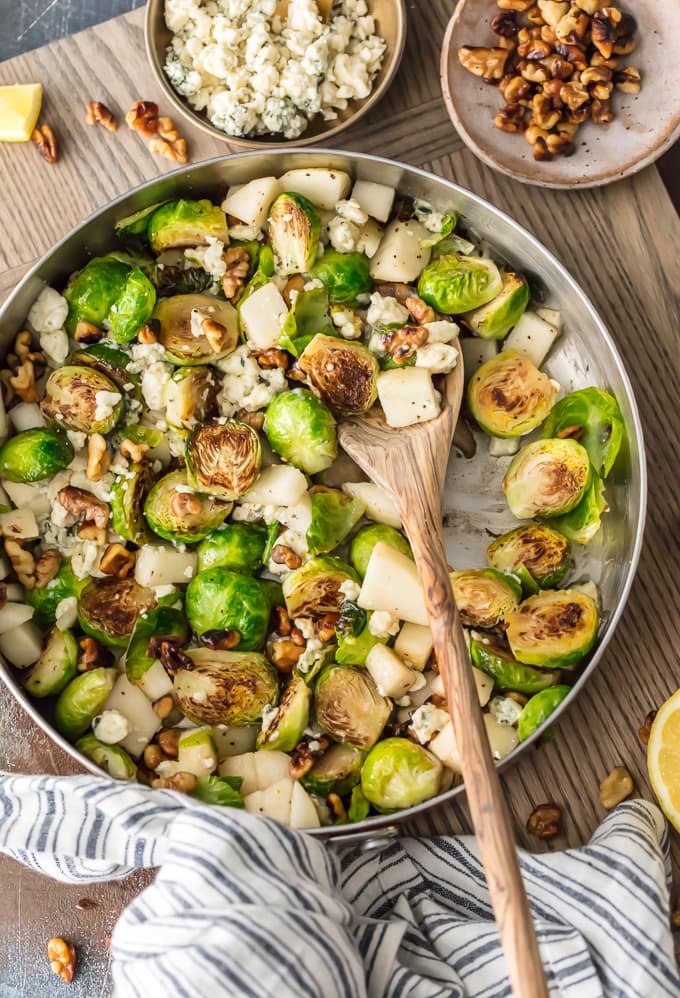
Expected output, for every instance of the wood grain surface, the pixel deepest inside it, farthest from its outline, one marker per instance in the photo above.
(621, 242)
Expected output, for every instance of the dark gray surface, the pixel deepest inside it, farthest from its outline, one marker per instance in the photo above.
(28, 24)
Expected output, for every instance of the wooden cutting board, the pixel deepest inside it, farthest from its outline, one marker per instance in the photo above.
(621, 242)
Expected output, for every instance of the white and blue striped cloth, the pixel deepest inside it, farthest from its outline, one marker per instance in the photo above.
(243, 906)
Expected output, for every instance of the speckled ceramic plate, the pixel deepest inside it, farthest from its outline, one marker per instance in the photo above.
(645, 125)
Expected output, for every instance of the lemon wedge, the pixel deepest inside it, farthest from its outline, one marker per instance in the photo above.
(19, 109)
(663, 759)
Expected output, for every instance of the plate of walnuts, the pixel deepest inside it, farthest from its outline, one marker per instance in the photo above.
(564, 93)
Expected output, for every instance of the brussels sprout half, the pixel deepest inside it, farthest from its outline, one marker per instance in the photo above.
(582, 523)
(81, 701)
(484, 596)
(83, 399)
(128, 495)
(110, 361)
(509, 396)
(239, 546)
(336, 772)
(132, 308)
(221, 790)
(186, 223)
(294, 229)
(162, 623)
(56, 667)
(537, 711)
(508, 674)
(454, 284)
(592, 417)
(494, 320)
(349, 707)
(542, 551)
(334, 515)
(308, 316)
(344, 375)
(92, 292)
(218, 599)
(553, 629)
(285, 726)
(190, 397)
(113, 759)
(35, 454)
(45, 599)
(314, 589)
(345, 275)
(226, 687)
(547, 478)
(181, 319)
(301, 430)
(366, 539)
(137, 223)
(175, 512)
(108, 609)
(223, 459)
(397, 773)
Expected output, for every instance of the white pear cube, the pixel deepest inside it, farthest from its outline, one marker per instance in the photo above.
(26, 496)
(391, 676)
(500, 447)
(232, 741)
(242, 766)
(262, 317)
(370, 237)
(475, 353)
(414, 645)
(484, 686)
(391, 583)
(322, 186)
(444, 747)
(135, 706)
(408, 396)
(533, 337)
(270, 767)
(26, 416)
(155, 683)
(278, 485)
(380, 506)
(14, 615)
(303, 813)
(274, 802)
(375, 199)
(22, 645)
(503, 738)
(552, 317)
(400, 256)
(162, 565)
(19, 524)
(250, 202)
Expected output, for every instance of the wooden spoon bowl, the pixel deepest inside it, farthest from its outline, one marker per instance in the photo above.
(644, 126)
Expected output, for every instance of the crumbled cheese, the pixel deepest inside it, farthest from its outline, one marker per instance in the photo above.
(54, 344)
(296, 517)
(48, 312)
(310, 656)
(143, 355)
(441, 331)
(77, 439)
(269, 715)
(350, 589)
(156, 376)
(343, 235)
(305, 627)
(505, 710)
(246, 385)
(160, 592)
(85, 559)
(66, 613)
(438, 358)
(385, 311)
(111, 727)
(383, 624)
(105, 404)
(347, 322)
(246, 233)
(427, 216)
(211, 258)
(352, 211)
(315, 284)
(427, 721)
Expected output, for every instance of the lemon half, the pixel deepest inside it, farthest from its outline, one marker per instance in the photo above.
(663, 758)
(19, 109)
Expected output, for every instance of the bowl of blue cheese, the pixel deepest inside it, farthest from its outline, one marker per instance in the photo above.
(261, 73)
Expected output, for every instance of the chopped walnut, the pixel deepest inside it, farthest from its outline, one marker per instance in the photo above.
(89, 531)
(627, 80)
(176, 152)
(118, 561)
(281, 621)
(420, 311)
(22, 562)
(284, 652)
(143, 118)
(221, 640)
(97, 113)
(237, 260)
(46, 567)
(253, 419)
(603, 30)
(601, 112)
(273, 357)
(164, 139)
(46, 141)
(163, 708)
(337, 807)
(543, 113)
(168, 739)
(153, 756)
(402, 343)
(545, 821)
(86, 332)
(183, 782)
(98, 457)
(215, 333)
(489, 63)
(324, 628)
(62, 957)
(78, 501)
(510, 119)
(514, 89)
(646, 727)
(23, 381)
(172, 657)
(304, 756)
(515, 4)
(147, 334)
(92, 655)
(283, 555)
(615, 787)
(132, 451)
(505, 24)
(9, 396)
(3, 595)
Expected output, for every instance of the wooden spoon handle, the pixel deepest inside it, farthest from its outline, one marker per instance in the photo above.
(490, 814)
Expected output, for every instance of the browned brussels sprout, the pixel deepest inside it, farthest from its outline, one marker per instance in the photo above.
(223, 459)
(343, 375)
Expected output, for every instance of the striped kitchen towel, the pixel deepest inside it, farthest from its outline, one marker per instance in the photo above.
(243, 906)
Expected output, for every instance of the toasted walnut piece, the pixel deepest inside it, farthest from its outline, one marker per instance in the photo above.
(558, 67)
(553, 11)
(98, 457)
(92, 655)
(23, 381)
(534, 50)
(534, 16)
(599, 60)
(304, 756)
(624, 46)
(215, 333)
(578, 115)
(601, 91)
(222, 640)
(118, 561)
(97, 113)
(519, 698)
(3, 595)
(147, 334)
(254, 419)
(22, 562)
(602, 112)
(337, 807)
(573, 27)
(534, 133)
(566, 128)
(271, 358)
(89, 531)
(560, 144)
(489, 63)
(46, 141)
(615, 787)
(185, 504)
(439, 701)
(143, 118)
(575, 54)
(172, 658)
(603, 29)
(78, 501)
(168, 739)
(23, 347)
(646, 727)
(541, 152)
(627, 80)
(175, 151)
(62, 957)
(46, 567)
(154, 756)
(8, 394)
(505, 24)
(534, 72)
(283, 555)
(548, 35)
(281, 621)
(544, 114)
(185, 783)
(545, 821)
(163, 708)
(393, 289)
(420, 310)
(514, 88)
(402, 343)
(86, 332)
(324, 628)
(551, 89)
(589, 6)
(295, 283)
(133, 452)
(284, 653)
(573, 95)
(511, 119)
(515, 4)
(595, 74)
(237, 260)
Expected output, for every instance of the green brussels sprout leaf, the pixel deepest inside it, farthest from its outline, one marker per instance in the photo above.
(222, 790)
(81, 701)
(455, 284)
(344, 275)
(538, 709)
(162, 623)
(349, 707)
(284, 726)
(307, 317)
(190, 397)
(108, 609)
(593, 417)
(494, 320)
(366, 539)
(45, 599)
(110, 361)
(83, 399)
(239, 546)
(336, 772)
(294, 229)
(176, 513)
(132, 308)
(314, 589)
(92, 292)
(56, 667)
(334, 515)
(302, 430)
(137, 223)
(35, 454)
(359, 808)
(397, 773)
(113, 759)
(582, 523)
(543, 552)
(218, 599)
(128, 495)
(186, 223)
(508, 674)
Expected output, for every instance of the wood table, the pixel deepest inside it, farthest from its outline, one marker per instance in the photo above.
(622, 243)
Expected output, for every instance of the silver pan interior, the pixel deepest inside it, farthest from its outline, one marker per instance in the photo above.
(473, 500)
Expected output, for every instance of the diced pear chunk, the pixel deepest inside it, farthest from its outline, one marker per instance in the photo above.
(484, 686)
(155, 683)
(370, 237)
(444, 747)
(14, 615)
(232, 741)
(19, 524)
(136, 707)
(503, 738)
(303, 813)
(533, 337)
(503, 447)
(242, 766)
(375, 199)
(262, 317)
(22, 645)
(391, 583)
(380, 506)
(322, 186)
(400, 256)
(475, 353)
(250, 202)
(274, 802)
(270, 767)
(391, 676)
(414, 645)
(162, 565)
(407, 396)
(278, 485)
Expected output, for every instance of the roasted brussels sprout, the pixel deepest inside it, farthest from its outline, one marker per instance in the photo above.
(45, 599)
(301, 430)
(128, 495)
(113, 759)
(484, 596)
(553, 629)
(137, 223)
(592, 417)
(56, 667)
(81, 701)
(537, 711)
(454, 284)
(183, 322)
(345, 275)
(186, 223)
(162, 623)
(108, 609)
(108, 360)
(355, 640)
(315, 588)
(334, 515)
(508, 396)
(190, 397)
(359, 808)
(366, 539)
(283, 728)
(92, 292)
(349, 707)
(239, 546)
(132, 307)
(582, 523)
(543, 552)
(397, 773)
(547, 478)
(35, 454)
(344, 375)
(496, 661)
(224, 459)
(294, 230)
(177, 513)
(218, 599)
(336, 772)
(83, 399)
(308, 316)
(221, 790)
(494, 320)
(226, 687)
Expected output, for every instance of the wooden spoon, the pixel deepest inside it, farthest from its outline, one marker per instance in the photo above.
(411, 464)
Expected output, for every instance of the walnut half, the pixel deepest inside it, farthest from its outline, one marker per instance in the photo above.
(489, 63)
